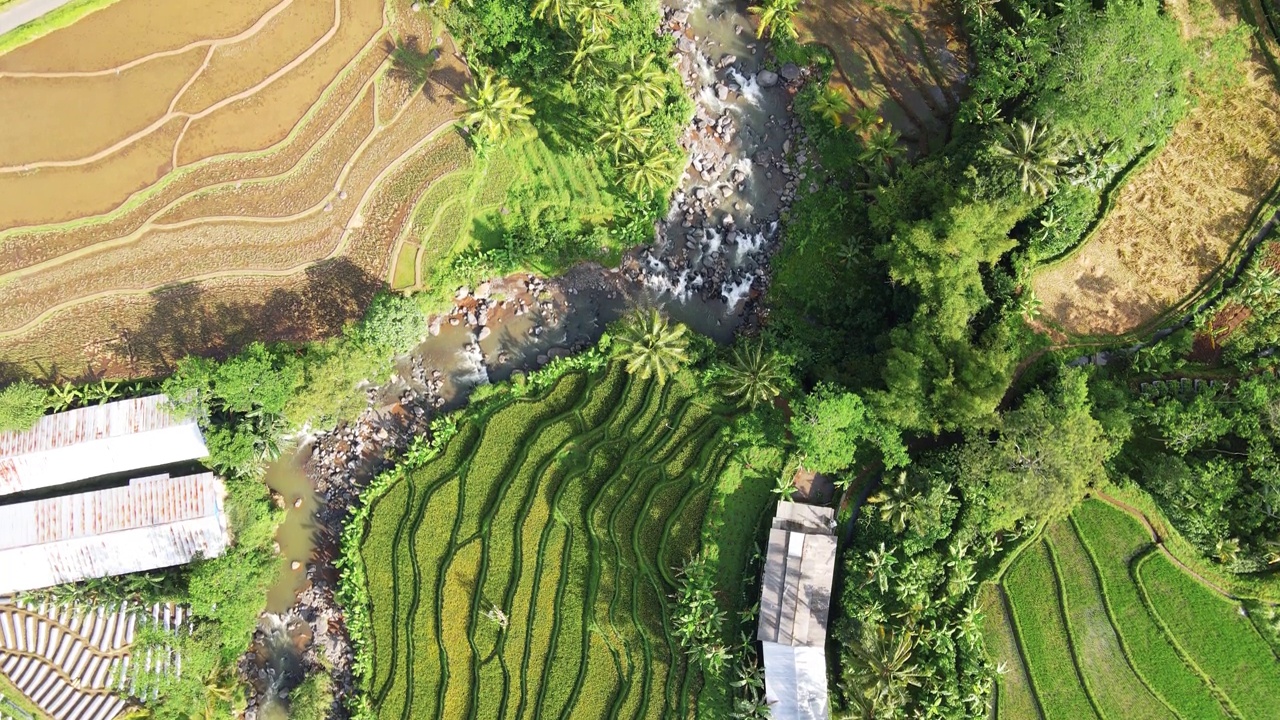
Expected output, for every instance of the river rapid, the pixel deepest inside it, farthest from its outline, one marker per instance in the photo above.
(707, 267)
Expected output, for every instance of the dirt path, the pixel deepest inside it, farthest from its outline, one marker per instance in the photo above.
(17, 14)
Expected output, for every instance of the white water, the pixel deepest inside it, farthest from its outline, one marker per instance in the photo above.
(736, 292)
(748, 86)
(748, 244)
(471, 368)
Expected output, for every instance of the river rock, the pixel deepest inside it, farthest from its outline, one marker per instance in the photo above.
(790, 72)
(434, 327)
(483, 290)
(484, 333)
(463, 292)
(722, 92)
(767, 78)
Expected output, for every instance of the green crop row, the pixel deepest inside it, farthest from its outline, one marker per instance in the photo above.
(1214, 634)
(1113, 684)
(1037, 614)
(1112, 540)
(562, 515)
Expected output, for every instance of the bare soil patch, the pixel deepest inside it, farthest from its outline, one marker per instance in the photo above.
(905, 59)
(1177, 218)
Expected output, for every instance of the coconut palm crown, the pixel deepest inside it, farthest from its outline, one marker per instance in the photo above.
(651, 346)
(1032, 151)
(495, 107)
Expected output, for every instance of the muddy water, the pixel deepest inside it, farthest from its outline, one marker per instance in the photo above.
(296, 535)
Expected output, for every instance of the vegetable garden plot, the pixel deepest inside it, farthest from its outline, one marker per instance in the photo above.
(527, 570)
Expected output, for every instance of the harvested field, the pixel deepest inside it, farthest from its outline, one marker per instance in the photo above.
(1177, 219)
(567, 513)
(906, 59)
(273, 143)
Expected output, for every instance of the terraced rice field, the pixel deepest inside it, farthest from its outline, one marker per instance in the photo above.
(1179, 217)
(1106, 626)
(247, 171)
(467, 207)
(564, 515)
(906, 59)
(68, 660)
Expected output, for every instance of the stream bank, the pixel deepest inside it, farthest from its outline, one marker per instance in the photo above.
(707, 267)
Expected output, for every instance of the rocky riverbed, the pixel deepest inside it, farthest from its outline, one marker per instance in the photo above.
(708, 267)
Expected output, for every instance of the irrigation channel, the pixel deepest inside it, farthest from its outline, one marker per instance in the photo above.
(707, 267)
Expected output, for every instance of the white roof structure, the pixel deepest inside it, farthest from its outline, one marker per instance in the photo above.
(152, 523)
(117, 437)
(795, 602)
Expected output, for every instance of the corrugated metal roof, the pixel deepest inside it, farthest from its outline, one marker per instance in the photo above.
(153, 523)
(795, 595)
(795, 682)
(94, 441)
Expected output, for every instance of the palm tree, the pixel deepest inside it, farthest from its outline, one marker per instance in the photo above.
(753, 376)
(785, 487)
(649, 169)
(776, 18)
(495, 107)
(1033, 153)
(881, 148)
(64, 396)
(1227, 551)
(651, 346)
(897, 503)
(866, 119)
(880, 565)
(103, 392)
(552, 11)
(587, 56)
(217, 693)
(830, 105)
(596, 18)
(410, 64)
(621, 130)
(642, 84)
(1261, 287)
(882, 671)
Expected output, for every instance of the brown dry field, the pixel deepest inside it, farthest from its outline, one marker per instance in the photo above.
(257, 196)
(881, 64)
(1177, 219)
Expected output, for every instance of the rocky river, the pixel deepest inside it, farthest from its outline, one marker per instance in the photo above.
(707, 266)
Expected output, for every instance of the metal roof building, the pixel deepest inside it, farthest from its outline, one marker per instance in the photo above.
(117, 437)
(152, 523)
(795, 602)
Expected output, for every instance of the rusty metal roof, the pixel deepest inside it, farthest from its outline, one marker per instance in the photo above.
(99, 440)
(152, 523)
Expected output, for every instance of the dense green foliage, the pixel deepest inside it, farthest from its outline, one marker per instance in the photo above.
(1209, 457)
(21, 405)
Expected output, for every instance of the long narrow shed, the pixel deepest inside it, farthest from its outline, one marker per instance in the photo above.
(152, 523)
(118, 437)
(795, 602)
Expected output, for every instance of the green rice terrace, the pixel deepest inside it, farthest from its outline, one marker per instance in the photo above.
(1092, 620)
(526, 570)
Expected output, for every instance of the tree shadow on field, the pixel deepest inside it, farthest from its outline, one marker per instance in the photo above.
(192, 319)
